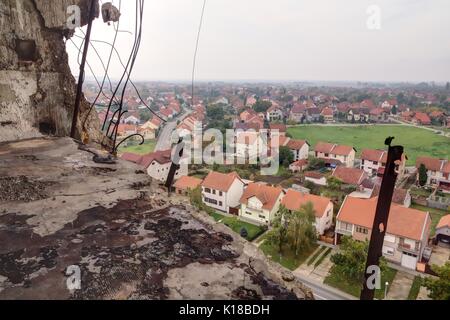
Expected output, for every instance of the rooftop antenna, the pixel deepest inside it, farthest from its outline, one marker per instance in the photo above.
(379, 227)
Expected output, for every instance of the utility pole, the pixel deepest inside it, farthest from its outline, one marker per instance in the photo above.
(87, 40)
(381, 218)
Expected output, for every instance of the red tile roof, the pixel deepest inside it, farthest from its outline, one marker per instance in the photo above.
(296, 144)
(324, 147)
(314, 175)
(342, 150)
(268, 195)
(374, 155)
(350, 175)
(220, 181)
(423, 118)
(433, 164)
(444, 222)
(403, 222)
(293, 200)
(188, 183)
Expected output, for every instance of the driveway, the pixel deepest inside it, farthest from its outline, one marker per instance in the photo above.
(439, 256)
(400, 287)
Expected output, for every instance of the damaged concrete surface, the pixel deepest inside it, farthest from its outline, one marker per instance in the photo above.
(128, 238)
(34, 63)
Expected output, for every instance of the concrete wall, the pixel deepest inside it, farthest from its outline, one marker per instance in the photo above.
(37, 89)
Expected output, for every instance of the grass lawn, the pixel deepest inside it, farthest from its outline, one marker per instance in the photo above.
(217, 216)
(415, 288)
(314, 257)
(288, 258)
(236, 225)
(319, 261)
(147, 147)
(436, 215)
(415, 140)
(353, 287)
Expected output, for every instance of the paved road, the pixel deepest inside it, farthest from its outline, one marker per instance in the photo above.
(164, 138)
(324, 292)
(437, 131)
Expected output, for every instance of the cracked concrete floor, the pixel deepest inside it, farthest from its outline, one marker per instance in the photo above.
(123, 233)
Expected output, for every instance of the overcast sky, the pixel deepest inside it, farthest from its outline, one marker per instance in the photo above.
(283, 40)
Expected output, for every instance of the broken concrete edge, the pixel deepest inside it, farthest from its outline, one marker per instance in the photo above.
(269, 267)
(33, 63)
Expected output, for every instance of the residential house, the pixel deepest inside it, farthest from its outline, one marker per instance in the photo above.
(438, 172)
(247, 145)
(421, 118)
(335, 155)
(299, 148)
(147, 133)
(186, 184)
(316, 178)
(298, 113)
(132, 118)
(406, 235)
(298, 166)
(374, 162)
(158, 164)
(313, 114)
(327, 114)
(443, 229)
(351, 176)
(323, 207)
(400, 196)
(222, 191)
(378, 115)
(260, 203)
(275, 113)
(358, 114)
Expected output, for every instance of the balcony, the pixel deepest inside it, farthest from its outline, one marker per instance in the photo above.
(408, 248)
(255, 211)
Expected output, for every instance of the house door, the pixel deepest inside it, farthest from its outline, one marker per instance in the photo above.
(409, 260)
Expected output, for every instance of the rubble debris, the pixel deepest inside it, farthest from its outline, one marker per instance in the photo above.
(22, 188)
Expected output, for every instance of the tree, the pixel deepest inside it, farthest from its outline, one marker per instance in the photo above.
(447, 86)
(334, 183)
(278, 234)
(439, 288)
(286, 156)
(351, 260)
(301, 231)
(423, 177)
(196, 197)
(215, 112)
(145, 115)
(394, 110)
(262, 105)
(315, 164)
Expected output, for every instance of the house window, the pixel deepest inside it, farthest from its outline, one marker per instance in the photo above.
(346, 226)
(262, 217)
(220, 203)
(212, 201)
(327, 154)
(207, 190)
(214, 191)
(220, 193)
(362, 230)
(375, 162)
(363, 162)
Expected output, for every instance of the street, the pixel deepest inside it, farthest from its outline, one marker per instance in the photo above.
(324, 292)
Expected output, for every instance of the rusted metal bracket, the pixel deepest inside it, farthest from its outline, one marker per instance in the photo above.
(176, 159)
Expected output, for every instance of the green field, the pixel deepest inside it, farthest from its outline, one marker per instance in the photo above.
(147, 147)
(417, 142)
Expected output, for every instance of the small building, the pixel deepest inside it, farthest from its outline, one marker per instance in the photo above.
(260, 203)
(299, 165)
(299, 148)
(328, 115)
(351, 176)
(222, 191)
(373, 162)
(443, 229)
(323, 207)
(275, 113)
(185, 184)
(316, 178)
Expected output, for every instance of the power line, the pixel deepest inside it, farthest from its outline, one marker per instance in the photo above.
(196, 50)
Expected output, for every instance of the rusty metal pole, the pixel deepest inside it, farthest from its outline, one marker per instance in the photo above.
(87, 39)
(179, 151)
(381, 218)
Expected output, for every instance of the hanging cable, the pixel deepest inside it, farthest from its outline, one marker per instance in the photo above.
(196, 50)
